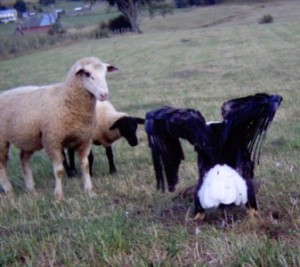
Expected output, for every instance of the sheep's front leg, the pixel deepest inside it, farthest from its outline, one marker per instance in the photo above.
(4, 182)
(27, 172)
(83, 152)
(58, 170)
(56, 158)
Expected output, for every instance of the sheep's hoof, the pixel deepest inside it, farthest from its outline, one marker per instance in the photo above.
(6, 189)
(199, 216)
(252, 213)
(91, 193)
(32, 192)
(59, 196)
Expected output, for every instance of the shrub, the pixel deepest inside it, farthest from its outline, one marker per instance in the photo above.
(119, 24)
(102, 31)
(181, 3)
(266, 19)
(56, 28)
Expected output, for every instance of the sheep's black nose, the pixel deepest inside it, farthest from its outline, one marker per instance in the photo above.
(133, 142)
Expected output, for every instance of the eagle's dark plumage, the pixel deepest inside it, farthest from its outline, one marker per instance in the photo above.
(234, 142)
(164, 127)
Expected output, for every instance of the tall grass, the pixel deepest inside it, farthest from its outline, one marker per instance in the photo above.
(129, 223)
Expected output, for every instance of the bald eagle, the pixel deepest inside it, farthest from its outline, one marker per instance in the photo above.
(227, 150)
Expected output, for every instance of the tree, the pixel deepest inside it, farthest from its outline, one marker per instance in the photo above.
(20, 6)
(131, 9)
(46, 2)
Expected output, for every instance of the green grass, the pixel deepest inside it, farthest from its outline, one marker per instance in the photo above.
(189, 59)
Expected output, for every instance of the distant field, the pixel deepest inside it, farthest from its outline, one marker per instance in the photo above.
(99, 13)
(196, 58)
(11, 2)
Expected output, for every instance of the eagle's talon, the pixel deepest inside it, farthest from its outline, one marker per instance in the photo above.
(199, 216)
(252, 213)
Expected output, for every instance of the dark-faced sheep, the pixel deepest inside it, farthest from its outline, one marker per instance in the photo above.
(110, 126)
(53, 117)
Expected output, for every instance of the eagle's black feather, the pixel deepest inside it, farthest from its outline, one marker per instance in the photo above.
(236, 141)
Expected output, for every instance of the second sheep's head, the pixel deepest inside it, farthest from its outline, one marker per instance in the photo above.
(93, 72)
(127, 127)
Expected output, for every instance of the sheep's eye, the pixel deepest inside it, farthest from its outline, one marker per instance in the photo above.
(87, 74)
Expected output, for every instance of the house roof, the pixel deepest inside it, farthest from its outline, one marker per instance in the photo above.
(8, 11)
(41, 20)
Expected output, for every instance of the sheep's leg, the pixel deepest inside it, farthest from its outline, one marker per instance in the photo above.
(110, 157)
(70, 167)
(56, 157)
(66, 164)
(71, 154)
(91, 161)
(4, 181)
(83, 152)
(27, 172)
(58, 170)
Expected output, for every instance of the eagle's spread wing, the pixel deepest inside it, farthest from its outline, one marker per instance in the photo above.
(164, 127)
(236, 141)
(247, 120)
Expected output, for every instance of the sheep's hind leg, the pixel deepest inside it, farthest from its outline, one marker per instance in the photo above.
(27, 172)
(4, 181)
(83, 152)
(110, 157)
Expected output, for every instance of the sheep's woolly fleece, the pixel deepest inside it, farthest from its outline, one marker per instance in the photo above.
(61, 115)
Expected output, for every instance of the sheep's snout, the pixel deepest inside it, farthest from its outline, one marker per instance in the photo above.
(103, 96)
(133, 141)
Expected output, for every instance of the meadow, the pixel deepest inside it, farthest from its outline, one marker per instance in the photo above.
(196, 58)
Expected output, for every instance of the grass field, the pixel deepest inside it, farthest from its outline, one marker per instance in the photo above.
(198, 58)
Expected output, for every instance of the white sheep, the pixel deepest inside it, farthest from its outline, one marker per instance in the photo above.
(61, 116)
(111, 125)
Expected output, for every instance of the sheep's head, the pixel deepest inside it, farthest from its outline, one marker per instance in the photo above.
(127, 127)
(92, 73)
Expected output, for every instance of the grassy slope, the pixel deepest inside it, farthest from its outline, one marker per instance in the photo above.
(195, 59)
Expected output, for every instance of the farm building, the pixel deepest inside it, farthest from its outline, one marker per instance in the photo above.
(8, 15)
(38, 23)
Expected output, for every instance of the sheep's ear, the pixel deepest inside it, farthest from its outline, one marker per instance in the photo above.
(140, 120)
(114, 126)
(111, 68)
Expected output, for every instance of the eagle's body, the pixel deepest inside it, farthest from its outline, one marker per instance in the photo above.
(227, 150)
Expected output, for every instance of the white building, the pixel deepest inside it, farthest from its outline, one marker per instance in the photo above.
(8, 15)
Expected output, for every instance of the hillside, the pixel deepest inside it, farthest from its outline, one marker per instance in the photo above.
(225, 15)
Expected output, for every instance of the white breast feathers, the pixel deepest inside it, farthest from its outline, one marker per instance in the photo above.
(222, 185)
